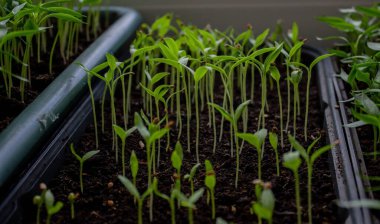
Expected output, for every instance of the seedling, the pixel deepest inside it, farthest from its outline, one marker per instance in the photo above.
(81, 160)
(39, 200)
(264, 206)
(309, 158)
(134, 164)
(273, 140)
(170, 200)
(233, 119)
(210, 182)
(276, 76)
(295, 79)
(123, 136)
(256, 140)
(52, 207)
(72, 197)
(133, 191)
(293, 161)
(191, 175)
(190, 202)
(176, 158)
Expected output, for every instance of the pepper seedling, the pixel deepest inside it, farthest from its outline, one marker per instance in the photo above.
(210, 182)
(170, 200)
(123, 136)
(39, 200)
(190, 176)
(134, 164)
(293, 161)
(233, 119)
(189, 202)
(72, 197)
(81, 160)
(309, 157)
(176, 158)
(264, 206)
(133, 191)
(52, 207)
(256, 140)
(273, 140)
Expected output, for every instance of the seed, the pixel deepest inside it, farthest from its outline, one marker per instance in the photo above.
(110, 203)
(43, 186)
(110, 184)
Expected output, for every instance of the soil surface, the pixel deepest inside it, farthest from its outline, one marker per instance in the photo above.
(105, 200)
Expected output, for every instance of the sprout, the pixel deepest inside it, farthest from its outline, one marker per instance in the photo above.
(51, 207)
(191, 175)
(264, 207)
(176, 158)
(72, 197)
(273, 140)
(123, 136)
(170, 200)
(81, 160)
(134, 164)
(189, 202)
(256, 140)
(133, 191)
(210, 182)
(293, 161)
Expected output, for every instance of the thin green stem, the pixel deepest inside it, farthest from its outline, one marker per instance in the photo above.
(298, 199)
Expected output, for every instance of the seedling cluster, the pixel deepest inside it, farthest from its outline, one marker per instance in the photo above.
(26, 28)
(190, 79)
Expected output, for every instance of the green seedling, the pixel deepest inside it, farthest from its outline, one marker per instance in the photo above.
(293, 161)
(81, 160)
(309, 70)
(134, 164)
(295, 79)
(72, 197)
(233, 119)
(275, 74)
(39, 200)
(140, 198)
(256, 140)
(123, 136)
(189, 202)
(52, 207)
(190, 176)
(170, 200)
(151, 134)
(310, 158)
(176, 158)
(264, 206)
(198, 75)
(210, 182)
(273, 140)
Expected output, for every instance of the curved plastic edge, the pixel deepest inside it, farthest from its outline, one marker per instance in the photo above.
(21, 137)
(348, 184)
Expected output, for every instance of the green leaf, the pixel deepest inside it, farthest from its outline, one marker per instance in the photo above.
(275, 73)
(172, 46)
(62, 16)
(261, 38)
(369, 11)
(273, 140)
(120, 132)
(367, 118)
(267, 199)
(292, 160)
(319, 152)
(157, 77)
(167, 52)
(272, 57)
(366, 203)
(318, 59)
(194, 170)
(74, 153)
(261, 211)
(158, 135)
(170, 62)
(176, 161)
(64, 10)
(49, 199)
(337, 23)
(256, 139)
(239, 110)
(222, 111)
(139, 124)
(90, 154)
(56, 208)
(298, 147)
(134, 164)
(196, 196)
(210, 179)
(294, 35)
(200, 73)
(373, 46)
(295, 49)
(178, 148)
(129, 185)
(368, 105)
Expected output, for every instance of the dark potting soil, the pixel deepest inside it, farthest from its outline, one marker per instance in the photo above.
(40, 79)
(105, 200)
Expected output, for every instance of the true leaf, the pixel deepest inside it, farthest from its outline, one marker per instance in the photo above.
(129, 185)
